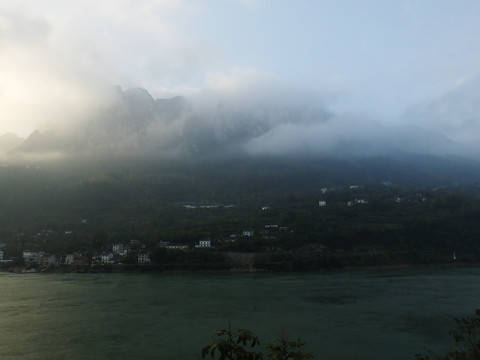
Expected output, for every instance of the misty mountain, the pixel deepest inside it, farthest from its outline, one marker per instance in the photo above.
(129, 123)
(347, 137)
(456, 114)
(135, 123)
(9, 142)
(46, 142)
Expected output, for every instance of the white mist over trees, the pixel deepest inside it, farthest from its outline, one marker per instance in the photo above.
(251, 118)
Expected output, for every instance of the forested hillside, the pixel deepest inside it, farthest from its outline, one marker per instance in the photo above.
(323, 212)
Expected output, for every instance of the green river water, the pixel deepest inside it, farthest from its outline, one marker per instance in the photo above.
(371, 314)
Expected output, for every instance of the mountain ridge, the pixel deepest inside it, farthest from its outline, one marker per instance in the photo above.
(135, 122)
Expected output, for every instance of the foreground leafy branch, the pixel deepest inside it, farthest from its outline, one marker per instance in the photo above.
(228, 344)
(286, 349)
(467, 338)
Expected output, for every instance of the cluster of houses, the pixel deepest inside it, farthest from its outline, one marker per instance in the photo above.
(135, 250)
(118, 251)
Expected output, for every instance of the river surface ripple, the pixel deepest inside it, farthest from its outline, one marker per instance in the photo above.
(366, 315)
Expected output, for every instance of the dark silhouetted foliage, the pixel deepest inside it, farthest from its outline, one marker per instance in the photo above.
(233, 345)
(230, 344)
(286, 349)
(467, 338)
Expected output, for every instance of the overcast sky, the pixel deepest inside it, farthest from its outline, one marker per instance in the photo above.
(372, 56)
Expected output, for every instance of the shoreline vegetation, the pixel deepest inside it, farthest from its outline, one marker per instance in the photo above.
(220, 268)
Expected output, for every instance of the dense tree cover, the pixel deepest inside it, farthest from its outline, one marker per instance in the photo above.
(89, 207)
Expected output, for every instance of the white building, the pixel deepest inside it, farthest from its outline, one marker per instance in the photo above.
(39, 258)
(32, 256)
(204, 244)
(247, 233)
(322, 203)
(143, 258)
(107, 258)
(118, 249)
(361, 201)
(69, 259)
(176, 247)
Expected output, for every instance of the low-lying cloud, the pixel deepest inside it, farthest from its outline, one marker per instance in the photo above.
(60, 61)
(245, 113)
(42, 82)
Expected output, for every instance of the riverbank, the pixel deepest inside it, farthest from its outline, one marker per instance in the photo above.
(155, 268)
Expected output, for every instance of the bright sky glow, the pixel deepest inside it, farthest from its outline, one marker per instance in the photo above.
(374, 56)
